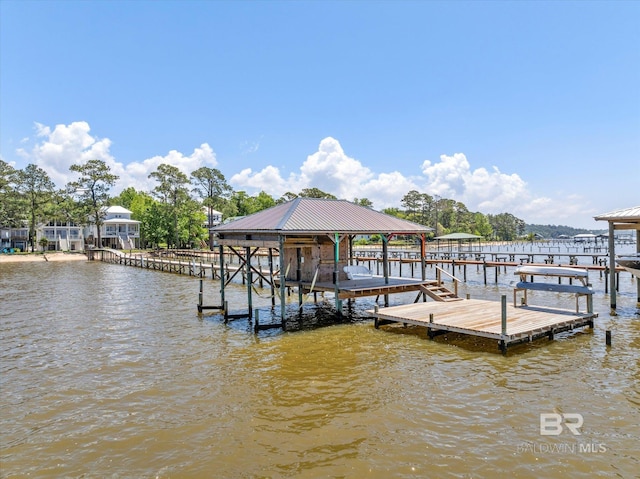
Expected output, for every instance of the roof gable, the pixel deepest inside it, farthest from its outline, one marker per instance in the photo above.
(117, 210)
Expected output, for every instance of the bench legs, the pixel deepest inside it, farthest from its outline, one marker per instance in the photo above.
(515, 292)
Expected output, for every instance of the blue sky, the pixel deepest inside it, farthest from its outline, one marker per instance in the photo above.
(531, 108)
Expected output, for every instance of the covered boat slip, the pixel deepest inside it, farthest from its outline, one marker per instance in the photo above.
(497, 320)
(624, 219)
(314, 240)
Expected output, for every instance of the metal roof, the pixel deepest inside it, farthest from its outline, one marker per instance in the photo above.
(317, 215)
(457, 236)
(627, 215)
(117, 210)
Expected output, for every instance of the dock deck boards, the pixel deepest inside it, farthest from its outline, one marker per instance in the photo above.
(484, 318)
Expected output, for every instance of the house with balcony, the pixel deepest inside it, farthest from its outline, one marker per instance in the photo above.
(62, 236)
(14, 238)
(118, 230)
(215, 220)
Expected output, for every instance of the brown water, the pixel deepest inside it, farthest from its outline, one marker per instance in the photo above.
(107, 371)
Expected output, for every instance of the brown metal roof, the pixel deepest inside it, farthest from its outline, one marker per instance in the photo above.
(315, 216)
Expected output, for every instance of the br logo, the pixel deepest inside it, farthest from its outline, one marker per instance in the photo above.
(551, 424)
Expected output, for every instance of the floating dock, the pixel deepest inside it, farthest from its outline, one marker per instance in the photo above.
(497, 320)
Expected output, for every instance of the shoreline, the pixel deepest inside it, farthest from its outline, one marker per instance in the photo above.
(54, 256)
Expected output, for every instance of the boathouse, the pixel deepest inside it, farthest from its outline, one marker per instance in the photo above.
(623, 219)
(314, 242)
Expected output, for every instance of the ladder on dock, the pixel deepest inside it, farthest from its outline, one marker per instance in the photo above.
(438, 292)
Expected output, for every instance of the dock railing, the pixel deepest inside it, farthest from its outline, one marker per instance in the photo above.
(440, 272)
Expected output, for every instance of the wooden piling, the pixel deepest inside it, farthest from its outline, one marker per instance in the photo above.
(502, 344)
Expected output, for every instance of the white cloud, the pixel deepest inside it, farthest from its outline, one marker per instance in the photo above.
(268, 180)
(64, 146)
(329, 168)
(56, 150)
(136, 174)
(488, 191)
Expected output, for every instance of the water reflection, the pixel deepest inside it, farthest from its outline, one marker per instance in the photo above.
(108, 371)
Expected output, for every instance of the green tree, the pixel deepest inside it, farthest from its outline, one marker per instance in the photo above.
(315, 193)
(191, 224)
(36, 190)
(481, 226)
(10, 210)
(412, 203)
(506, 226)
(212, 187)
(139, 203)
(44, 242)
(263, 201)
(288, 196)
(125, 198)
(155, 224)
(66, 209)
(92, 189)
(173, 192)
(246, 205)
(242, 203)
(397, 212)
(363, 202)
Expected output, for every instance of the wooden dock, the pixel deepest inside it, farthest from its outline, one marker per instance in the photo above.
(497, 320)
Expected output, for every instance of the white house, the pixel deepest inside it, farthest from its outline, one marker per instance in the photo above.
(216, 218)
(62, 236)
(118, 230)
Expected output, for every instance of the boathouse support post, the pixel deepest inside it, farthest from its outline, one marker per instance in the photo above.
(423, 262)
(350, 255)
(271, 286)
(336, 281)
(612, 268)
(299, 277)
(249, 280)
(385, 265)
(283, 298)
(200, 294)
(222, 301)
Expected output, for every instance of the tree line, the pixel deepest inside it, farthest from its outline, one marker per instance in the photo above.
(174, 213)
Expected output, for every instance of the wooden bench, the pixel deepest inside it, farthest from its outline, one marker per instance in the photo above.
(581, 275)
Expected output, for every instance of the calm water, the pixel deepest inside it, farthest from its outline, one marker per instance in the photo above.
(107, 371)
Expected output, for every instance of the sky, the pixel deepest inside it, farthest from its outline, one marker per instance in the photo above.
(528, 108)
